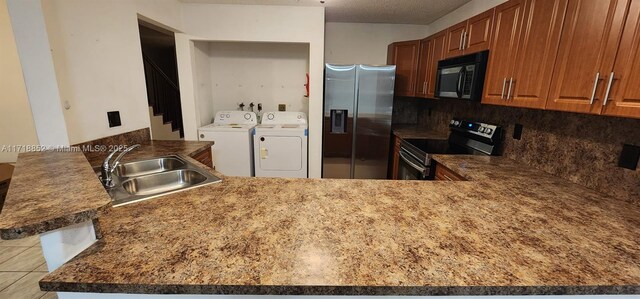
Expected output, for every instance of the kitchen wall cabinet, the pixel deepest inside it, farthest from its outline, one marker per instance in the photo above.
(624, 96)
(426, 51)
(586, 54)
(525, 42)
(404, 55)
(443, 173)
(470, 36)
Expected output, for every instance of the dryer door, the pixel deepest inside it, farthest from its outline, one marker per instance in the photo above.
(280, 153)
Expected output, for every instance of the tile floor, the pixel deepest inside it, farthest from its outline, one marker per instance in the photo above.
(21, 267)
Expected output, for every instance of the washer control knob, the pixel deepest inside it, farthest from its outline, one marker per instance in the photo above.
(270, 116)
(228, 115)
(201, 135)
(481, 130)
(247, 116)
(299, 116)
(489, 130)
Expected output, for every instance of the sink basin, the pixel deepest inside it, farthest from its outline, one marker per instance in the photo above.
(145, 167)
(163, 182)
(145, 179)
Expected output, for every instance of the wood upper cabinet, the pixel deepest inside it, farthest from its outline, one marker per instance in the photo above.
(404, 55)
(525, 42)
(470, 36)
(426, 51)
(431, 51)
(438, 48)
(588, 46)
(455, 35)
(624, 96)
(506, 35)
(478, 34)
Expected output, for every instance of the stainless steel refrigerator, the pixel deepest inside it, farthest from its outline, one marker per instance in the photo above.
(358, 102)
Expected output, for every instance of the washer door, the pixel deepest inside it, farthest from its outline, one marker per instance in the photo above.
(280, 153)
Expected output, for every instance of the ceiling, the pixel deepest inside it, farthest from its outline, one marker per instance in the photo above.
(366, 11)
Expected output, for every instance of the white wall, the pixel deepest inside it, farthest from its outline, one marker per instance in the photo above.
(267, 73)
(256, 23)
(98, 62)
(202, 82)
(16, 120)
(365, 43)
(464, 12)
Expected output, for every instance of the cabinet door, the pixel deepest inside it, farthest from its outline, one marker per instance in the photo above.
(624, 98)
(426, 51)
(478, 32)
(405, 58)
(588, 44)
(453, 46)
(438, 40)
(506, 35)
(537, 51)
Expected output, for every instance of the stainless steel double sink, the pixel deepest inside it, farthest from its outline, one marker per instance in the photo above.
(145, 179)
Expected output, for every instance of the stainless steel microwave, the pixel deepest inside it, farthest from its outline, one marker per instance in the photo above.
(462, 77)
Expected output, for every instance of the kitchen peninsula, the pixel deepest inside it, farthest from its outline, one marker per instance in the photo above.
(508, 230)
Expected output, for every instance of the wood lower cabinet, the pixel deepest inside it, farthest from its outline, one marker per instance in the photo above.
(404, 55)
(204, 157)
(624, 95)
(470, 36)
(586, 54)
(443, 173)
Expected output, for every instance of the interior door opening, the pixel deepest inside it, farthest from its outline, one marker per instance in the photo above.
(161, 76)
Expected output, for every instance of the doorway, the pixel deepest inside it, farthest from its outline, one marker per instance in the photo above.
(161, 76)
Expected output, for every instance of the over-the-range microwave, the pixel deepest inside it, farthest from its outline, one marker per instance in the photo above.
(462, 77)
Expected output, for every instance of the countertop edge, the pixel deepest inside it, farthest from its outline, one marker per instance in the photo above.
(33, 229)
(338, 290)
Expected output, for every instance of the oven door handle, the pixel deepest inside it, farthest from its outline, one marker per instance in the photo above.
(417, 167)
(460, 82)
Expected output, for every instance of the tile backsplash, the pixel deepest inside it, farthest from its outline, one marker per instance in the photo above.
(581, 148)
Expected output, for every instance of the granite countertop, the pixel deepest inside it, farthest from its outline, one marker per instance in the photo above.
(51, 190)
(508, 230)
(416, 132)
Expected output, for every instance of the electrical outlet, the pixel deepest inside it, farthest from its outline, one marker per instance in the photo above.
(517, 132)
(114, 119)
(629, 156)
(282, 107)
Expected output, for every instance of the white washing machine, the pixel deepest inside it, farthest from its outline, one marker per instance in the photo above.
(280, 143)
(232, 152)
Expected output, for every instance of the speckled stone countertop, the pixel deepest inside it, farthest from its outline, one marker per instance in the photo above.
(51, 190)
(508, 230)
(416, 132)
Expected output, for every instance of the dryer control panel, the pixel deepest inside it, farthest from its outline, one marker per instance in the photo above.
(284, 118)
(235, 118)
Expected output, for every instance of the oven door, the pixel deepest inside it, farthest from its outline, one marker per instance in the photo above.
(410, 168)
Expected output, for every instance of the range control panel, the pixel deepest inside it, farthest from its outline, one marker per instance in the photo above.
(477, 128)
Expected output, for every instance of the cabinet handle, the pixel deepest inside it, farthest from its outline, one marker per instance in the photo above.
(424, 87)
(595, 86)
(461, 39)
(509, 92)
(464, 40)
(504, 84)
(606, 94)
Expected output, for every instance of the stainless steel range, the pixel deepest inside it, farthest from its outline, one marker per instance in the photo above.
(465, 138)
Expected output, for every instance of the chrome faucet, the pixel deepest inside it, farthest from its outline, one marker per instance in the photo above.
(106, 170)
